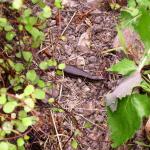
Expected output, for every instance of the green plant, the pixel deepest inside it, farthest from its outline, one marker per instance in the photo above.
(126, 106)
(21, 86)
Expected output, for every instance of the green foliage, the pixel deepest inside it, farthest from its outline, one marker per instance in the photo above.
(21, 34)
(123, 67)
(74, 144)
(58, 4)
(126, 120)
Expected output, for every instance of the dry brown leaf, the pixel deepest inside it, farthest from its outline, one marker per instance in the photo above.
(84, 40)
(123, 89)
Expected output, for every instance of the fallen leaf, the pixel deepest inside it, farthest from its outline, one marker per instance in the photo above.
(123, 89)
(84, 40)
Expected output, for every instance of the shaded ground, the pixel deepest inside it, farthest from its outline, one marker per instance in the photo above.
(81, 98)
(84, 117)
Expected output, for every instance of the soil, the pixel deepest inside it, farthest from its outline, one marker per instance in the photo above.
(82, 100)
(79, 110)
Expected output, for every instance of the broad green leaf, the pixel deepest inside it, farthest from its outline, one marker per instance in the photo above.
(3, 99)
(19, 126)
(145, 86)
(46, 13)
(10, 35)
(39, 94)
(17, 4)
(37, 35)
(27, 56)
(142, 26)
(28, 121)
(58, 3)
(52, 62)
(74, 144)
(124, 67)
(27, 12)
(28, 90)
(41, 83)
(7, 127)
(22, 114)
(43, 65)
(4, 145)
(9, 107)
(3, 22)
(12, 146)
(31, 75)
(61, 66)
(126, 120)
(20, 142)
(8, 27)
(19, 67)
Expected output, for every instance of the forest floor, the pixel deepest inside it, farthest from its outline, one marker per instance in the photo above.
(81, 101)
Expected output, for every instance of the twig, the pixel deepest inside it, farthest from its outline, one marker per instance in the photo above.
(60, 145)
(100, 127)
(68, 23)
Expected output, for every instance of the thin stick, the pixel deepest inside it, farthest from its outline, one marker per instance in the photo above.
(68, 23)
(100, 127)
(60, 145)
(111, 50)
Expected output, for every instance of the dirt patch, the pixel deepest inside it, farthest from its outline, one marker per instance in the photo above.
(81, 99)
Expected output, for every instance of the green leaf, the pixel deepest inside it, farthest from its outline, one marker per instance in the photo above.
(74, 144)
(124, 67)
(8, 27)
(58, 3)
(10, 35)
(9, 107)
(141, 26)
(37, 35)
(145, 86)
(35, 1)
(29, 104)
(39, 94)
(3, 22)
(4, 146)
(31, 75)
(27, 56)
(3, 99)
(19, 67)
(41, 83)
(22, 114)
(27, 12)
(46, 13)
(12, 146)
(43, 65)
(126, 120)
(52, 62)
(17, 4)
(28, 90)
(61, 66)
(87, 125)
(28, 121)
(19, 126)
(51, 100)
(20, 142)
(7, 127)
